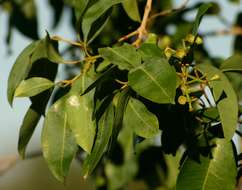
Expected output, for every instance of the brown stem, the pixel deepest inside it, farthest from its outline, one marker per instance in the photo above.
(169, 11)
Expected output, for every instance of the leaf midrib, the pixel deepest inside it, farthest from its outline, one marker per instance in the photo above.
(138, 115)
(129, 63)
(153, 79)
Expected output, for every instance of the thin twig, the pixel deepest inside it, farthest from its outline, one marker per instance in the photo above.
(169, 11)
(142, 30)
(236, 30)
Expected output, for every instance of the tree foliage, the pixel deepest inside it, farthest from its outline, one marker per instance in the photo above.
(141, 93)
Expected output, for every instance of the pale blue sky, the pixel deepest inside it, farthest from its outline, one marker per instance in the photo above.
(11, 118)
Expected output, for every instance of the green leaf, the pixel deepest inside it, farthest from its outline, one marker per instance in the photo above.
(138, 118)
(119, 175)
(103, 77)
(236, 81)
(148, 51)
(105, 127)
(20, 70)
(33, 86)
(217, 173)
(79, 109)
(227, 107)
(78, 5)
(154, 80)
(201, 11)
(58, 142)
(132, 9)
(233, 63)
(120, 101)
(94, 12)
(30, 121)
(125, 57)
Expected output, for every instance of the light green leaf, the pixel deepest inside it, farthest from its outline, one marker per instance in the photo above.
(138, 118)
(105, 127)
(132, 9)
(227, 107)
(201, 11)
(30, 121)
(217, 173)
(80, 109)
(33, 86)
(233, 63)
(58, 142)
(94, 12)
(236, 81)
(154, 80)
(125, 57)
(20, 70)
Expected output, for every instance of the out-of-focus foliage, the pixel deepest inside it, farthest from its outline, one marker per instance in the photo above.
(148, 109)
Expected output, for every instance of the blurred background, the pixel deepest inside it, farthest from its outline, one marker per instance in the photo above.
(25, 175)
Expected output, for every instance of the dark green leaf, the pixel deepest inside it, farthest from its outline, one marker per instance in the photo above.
(58, 142)
(120, 101)
(23, 17)
(138, 118)
(132, 9)
(33, 86)
(30, 121)
(105, 127)
(104, 76)
(201, 11)
(94, 12)
(119, 175)
(210, 173)
(125, 57)
(227, 107)
(234, 63)
(58, 7)
(79, 6)
(154, 80)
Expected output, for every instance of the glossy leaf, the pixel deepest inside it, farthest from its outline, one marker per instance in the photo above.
(28, 126)
(58, 142)
(105, 127)
(80, 109)
(94, 12)
(20, 70)
(125, 57)
(227, 107)
(154, 80)
(234, 63)
(210, 173)
(132, 9)
(138, 118)
(201, 11)
(33, 86)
